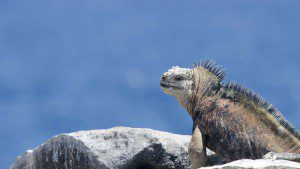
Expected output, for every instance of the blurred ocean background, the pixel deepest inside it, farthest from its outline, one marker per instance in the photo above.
(69, 65)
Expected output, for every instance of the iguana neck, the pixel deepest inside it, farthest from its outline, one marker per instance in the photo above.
(184, 99)
(205, 90)
(199, 102)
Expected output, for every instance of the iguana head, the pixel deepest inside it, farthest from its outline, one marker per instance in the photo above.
(177, 81)
(185, 82)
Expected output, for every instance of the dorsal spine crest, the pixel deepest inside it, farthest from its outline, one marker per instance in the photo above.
(212, 68)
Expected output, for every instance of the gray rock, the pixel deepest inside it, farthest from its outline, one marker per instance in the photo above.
(119, 147)
(282, 156)
(257, 164)
(124, 147)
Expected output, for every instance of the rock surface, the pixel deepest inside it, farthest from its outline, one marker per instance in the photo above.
(258, 164)
(119, 147)
(124, 147)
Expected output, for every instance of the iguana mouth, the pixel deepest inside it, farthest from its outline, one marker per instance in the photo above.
(166, 85)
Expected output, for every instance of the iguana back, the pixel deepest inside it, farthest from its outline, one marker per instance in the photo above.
(237, 126)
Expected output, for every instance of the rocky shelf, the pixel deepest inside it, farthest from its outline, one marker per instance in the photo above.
(122, 148)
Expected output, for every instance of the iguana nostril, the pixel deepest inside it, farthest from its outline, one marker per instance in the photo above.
(163, 77)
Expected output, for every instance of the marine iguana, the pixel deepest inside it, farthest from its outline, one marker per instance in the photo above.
(229, 119)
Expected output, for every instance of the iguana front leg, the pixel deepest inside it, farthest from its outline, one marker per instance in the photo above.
(282, 156)
(197, 148)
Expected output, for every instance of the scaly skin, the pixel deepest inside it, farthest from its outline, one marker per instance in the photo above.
(234, 122)
(235, 132)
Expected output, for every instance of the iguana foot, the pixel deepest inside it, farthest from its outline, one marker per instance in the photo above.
(282, 156)
(197, 150)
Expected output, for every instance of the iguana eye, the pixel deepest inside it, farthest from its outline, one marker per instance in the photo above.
(178, 78)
